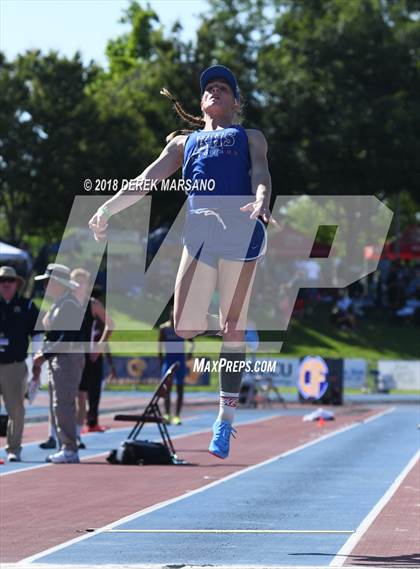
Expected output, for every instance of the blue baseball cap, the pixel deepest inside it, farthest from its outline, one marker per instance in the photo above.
(219, 72)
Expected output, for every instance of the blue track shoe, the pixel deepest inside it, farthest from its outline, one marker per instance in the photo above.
(219, 445)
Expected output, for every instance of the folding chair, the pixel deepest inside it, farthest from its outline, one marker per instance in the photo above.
(152, 414)
(248, 392)
(267, 392)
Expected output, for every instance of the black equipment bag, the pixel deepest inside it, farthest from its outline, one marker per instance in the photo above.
(133, 451)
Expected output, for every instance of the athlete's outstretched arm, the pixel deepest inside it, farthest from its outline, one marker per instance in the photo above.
(168, 162)
(260, 176)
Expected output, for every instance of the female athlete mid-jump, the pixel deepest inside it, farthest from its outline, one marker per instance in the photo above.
(223, 235)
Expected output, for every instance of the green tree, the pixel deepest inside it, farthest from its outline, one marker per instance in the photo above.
(48, 145)
(333, 84)
(17, 146)
(341, 85)
(135, 117)
(234, 33)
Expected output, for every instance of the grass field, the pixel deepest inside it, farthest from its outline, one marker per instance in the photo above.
(376, 337)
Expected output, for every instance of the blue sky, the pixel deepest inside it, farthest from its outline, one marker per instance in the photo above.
(84, 25)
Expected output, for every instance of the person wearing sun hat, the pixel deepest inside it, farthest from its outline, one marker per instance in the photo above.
(18, 317)
(63, 350)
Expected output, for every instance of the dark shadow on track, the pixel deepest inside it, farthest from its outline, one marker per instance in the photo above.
(96, 463)
(188, 450)
(398, 561)
(88, 462)
(411, 560)
(27, 463)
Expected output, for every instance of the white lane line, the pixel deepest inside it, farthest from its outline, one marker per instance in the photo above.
(128, 429)
(385, 412)
(160, 566)
(234, 531)
(48, 464)
(165, 503)
(200, 432)
(351, 543)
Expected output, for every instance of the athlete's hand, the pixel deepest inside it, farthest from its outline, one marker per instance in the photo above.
(258, 209)
(98, 224)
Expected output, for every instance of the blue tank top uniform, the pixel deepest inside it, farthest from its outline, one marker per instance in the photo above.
(215, 228)
(169, 336)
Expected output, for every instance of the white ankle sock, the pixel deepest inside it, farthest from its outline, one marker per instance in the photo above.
(228, 404)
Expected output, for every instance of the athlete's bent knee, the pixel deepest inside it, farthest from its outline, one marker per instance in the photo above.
(186, 328)
(186, 334)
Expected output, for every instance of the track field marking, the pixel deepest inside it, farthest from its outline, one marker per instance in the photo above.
(174, 437)
(115, 430)
(351, 543)
(169, 502)
(386, 412)
(270, 531)
(160, 566)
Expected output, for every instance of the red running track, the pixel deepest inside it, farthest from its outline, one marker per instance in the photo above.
(48, 506)
(393, 539)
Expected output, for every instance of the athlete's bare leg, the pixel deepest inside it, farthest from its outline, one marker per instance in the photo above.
(194, 288)
(235, 285)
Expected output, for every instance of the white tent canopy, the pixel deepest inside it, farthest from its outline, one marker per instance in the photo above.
(8, 253)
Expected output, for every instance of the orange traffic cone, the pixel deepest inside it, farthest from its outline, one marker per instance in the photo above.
(321, 422)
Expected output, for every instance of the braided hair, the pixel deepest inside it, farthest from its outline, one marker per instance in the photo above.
(187, 117)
